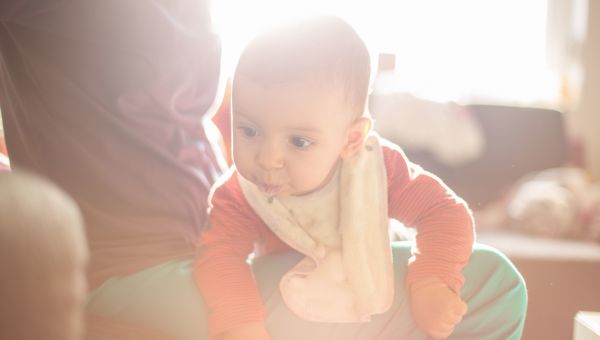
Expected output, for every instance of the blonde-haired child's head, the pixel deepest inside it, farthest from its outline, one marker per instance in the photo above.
(298, 102)
(43, 256)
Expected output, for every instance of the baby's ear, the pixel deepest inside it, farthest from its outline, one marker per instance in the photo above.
(357, 132)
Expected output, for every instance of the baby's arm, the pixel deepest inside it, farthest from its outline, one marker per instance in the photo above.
(248, 331)
(222, 274)
(444, 242)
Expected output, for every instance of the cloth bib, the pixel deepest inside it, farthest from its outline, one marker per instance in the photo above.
(347, 274)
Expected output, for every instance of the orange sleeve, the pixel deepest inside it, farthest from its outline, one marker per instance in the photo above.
(443, 221)
(221, 272)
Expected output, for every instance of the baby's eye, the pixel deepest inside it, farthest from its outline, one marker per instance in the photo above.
(300, 142)
(248, 131)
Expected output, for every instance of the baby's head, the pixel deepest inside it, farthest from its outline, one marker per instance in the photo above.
(298, 103)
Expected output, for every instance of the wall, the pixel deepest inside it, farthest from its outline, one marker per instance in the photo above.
(588, 111)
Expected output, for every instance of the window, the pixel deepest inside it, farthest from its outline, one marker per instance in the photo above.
(445, 50)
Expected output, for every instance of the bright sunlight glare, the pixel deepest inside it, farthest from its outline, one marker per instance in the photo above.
(444, 49)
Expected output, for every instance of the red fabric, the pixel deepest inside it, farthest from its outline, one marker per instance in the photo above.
(3, 150)
(105, 98)
(222, 120)
(416, 198)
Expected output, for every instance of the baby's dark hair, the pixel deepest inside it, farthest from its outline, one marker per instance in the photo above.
(319, 51)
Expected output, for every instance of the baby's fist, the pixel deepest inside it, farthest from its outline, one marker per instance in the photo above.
(435, 307)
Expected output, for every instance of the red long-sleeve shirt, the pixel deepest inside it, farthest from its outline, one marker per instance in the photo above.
(415, 197)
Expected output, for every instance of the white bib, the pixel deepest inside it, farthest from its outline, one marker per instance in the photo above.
(347, 274)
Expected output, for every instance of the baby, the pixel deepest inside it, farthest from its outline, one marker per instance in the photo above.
(311, 175)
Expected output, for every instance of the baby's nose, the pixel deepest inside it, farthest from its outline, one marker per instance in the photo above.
(271, 156)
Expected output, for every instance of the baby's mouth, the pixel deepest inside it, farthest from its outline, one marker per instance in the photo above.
(269, 189)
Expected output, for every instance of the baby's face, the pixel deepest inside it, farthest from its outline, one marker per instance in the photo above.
(287, 139)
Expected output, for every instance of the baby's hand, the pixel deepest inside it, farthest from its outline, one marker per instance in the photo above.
(435, 307)
(249, 331)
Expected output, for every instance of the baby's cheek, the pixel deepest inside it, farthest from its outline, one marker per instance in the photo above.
(315, 177)
(242, 158)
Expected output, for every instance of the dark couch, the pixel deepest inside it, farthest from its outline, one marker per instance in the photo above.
(518, 140)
